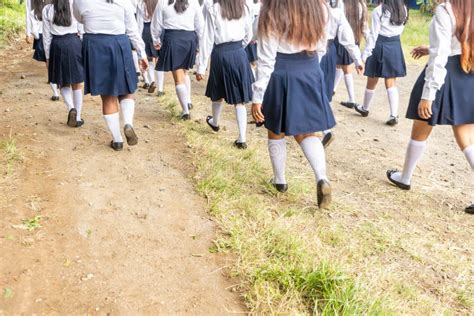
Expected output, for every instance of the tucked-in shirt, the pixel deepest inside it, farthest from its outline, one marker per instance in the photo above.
(340, 27)
(268, 48)
(166, 18)
(117, 18)
(142, 16)
(50, 29)
(218, 30)
(36, 26)
(380, 26)
(443, 44)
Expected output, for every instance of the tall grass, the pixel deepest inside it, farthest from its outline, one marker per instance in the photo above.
(10, 153)
(12, 18)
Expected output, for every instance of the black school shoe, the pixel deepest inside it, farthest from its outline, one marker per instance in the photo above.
(152, 87)
(282, 188)
(214, 128)
(469, 209)
(71, 118)
(349, 105)
(399, 184)
(130, 135)
(55, 98)
(361, 111)
(328, 139)
(324, 194)
(185, 117)
(116, 146)
(240, 145)
(146, 86)
(160, 93)
(392, 121)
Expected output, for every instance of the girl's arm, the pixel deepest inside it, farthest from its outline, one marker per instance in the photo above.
(374, 33)
(206, 42)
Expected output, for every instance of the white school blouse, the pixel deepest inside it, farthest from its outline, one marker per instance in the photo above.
(142, 17)
(50, 29)
(443, 44)
(255, 13)
(380, 26)
(36, 26)
(166, 18)
(218, 30)
(117, 18)
(268, 48)
(28, 18)
(340, 27)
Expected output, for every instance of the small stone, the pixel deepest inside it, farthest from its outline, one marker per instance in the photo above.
(22, 77)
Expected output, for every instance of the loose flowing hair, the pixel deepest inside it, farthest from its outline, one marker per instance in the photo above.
(464, 15)
(179, 5)
(62, 13)
(356, 20)
(398, 10)
(231, 9)
(38, 6)
(150, 6)
(299, 22)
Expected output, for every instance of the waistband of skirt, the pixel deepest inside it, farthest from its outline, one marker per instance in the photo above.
(385, 39)
(172, 31)
(301, 61)
(228, 46)
(64, 36)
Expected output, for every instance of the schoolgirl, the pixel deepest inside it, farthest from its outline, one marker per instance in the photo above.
(443, 93)
(289, 95)
(109, 27)
(383, 55)
(338, 27)
(356, 14)
(136, 62)
(227, 31)
(62, 46)
(34, 29)
(251, 48)
(182, 22)
(145, 11)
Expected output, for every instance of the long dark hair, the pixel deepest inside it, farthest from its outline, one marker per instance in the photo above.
(179, 5)
(231, 9)
(356, 21)
(62, 13)
(38, 6)
(333, 3)
(150, 6)
(464, 14)
(398, 11)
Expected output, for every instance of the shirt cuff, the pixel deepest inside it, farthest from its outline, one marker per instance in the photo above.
(201, 70)
(257, 98)
(429, 93)
(358, 62)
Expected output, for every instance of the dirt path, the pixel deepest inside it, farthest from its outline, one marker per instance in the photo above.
(122, 233)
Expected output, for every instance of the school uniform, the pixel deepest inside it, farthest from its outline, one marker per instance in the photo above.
(108, 62)
(224, 41)
(290, 86)
(383, 52)
(144, 28)
(35, 29)
(344, 57)
(443, 81)
(63, 49)
(251, 48)
(181, 34)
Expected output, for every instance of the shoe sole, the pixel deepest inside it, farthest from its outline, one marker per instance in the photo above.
(398, 184)
(71, 119)
(329, 142)
(324, 195)
(130, 135)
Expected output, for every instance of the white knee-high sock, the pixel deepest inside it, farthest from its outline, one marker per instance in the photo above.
(314, 151)
(146, 77)
(241, 113)
(135, 61)
(187, 81)
(277, 151)
(368, 96)
(113, 123)
(414, 152)
(128, 111)
(393, 100)
(182, 94)
(54, 89)
(78, 96)
(160, 80)
(66, 92)
(151, 71)
(216, 113)
(349, 81)
(469, 153)
(338, 78)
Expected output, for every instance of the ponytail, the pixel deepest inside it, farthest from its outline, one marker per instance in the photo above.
(62, 13)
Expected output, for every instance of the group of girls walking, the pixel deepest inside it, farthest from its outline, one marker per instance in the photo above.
(304, 48)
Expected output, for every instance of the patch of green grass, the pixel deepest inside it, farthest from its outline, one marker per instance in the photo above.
(32, 223)
(12, 18)
(10, 153)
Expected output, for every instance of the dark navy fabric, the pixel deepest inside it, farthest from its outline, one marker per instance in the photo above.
(343, 57)
(454, 101)
(108, 65)
(65, 65)
(178, 50)
(387, 60)
(39, 53)
(230, 75)
(251, 51)
(295, 101)
(150, 50)
(328, 66)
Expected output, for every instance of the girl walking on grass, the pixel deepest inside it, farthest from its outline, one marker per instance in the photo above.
(289, 95)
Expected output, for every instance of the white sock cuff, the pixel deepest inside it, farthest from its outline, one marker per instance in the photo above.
(111, 116)
(368, 91)
(417, 143)
(392, 89)
(348, 76)
(277, 141)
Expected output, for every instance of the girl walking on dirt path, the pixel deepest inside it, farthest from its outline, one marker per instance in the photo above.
(227, 31)
(182, 22)
(109, 27)
(289, 95)
(63, 49)
(383, 55)
(443, 93)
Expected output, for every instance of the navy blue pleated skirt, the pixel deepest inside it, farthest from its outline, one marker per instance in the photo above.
(230, 75)
(108, 65)
(178, 50)
(387, 60)
(295, 101)
(251, 51)
(65, 60)
(454, 101)
(343, 57)
(150, 50)
(328, 66)
(38, 46)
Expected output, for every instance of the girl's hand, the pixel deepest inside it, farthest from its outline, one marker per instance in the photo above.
(360, 69)
(420, 51)
(424, 109)
(199, 77)
(257, 113)
(143, 64)
(157, 46)
(29, 39)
